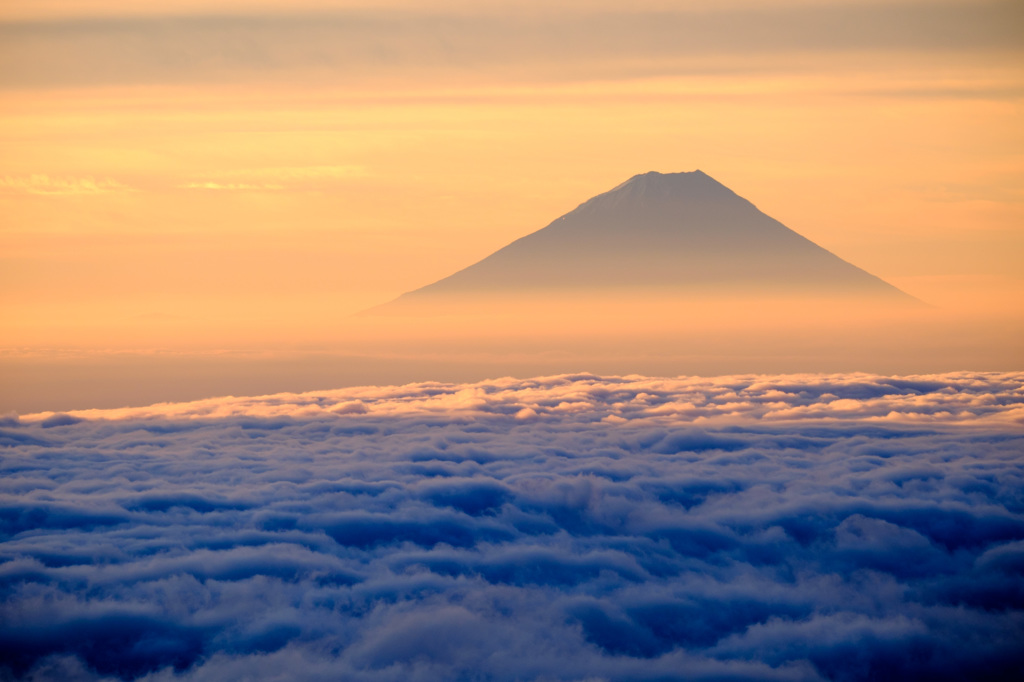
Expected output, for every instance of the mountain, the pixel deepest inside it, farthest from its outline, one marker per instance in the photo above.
(684, 233)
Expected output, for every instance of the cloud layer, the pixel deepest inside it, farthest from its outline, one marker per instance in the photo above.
(578, 527)
(551, 44)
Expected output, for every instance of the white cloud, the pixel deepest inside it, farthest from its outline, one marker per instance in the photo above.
(964, 398)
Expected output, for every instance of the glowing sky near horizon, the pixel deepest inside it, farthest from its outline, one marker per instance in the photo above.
(207, 174)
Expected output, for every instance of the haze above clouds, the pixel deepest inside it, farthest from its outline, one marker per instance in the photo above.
(666, 274)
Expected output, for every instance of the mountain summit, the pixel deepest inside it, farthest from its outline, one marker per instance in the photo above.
(684, 233)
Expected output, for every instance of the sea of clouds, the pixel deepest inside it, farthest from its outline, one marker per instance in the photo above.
(838, 527)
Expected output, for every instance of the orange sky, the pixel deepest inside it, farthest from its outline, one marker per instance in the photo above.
(241, 174)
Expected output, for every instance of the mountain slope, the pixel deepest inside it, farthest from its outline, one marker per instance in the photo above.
(680, 232)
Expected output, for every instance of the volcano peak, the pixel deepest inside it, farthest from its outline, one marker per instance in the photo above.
(678, 232)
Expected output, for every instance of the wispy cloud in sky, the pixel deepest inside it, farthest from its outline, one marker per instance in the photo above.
(44, 184)
(230, 186)
(838, 527)
(531, 45)
(282, 178)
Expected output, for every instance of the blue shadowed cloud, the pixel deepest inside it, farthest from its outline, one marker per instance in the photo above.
(841, 527)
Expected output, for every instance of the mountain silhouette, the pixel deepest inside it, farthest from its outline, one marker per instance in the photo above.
(684, 233)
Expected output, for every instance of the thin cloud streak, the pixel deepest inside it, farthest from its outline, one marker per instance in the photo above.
(277, 179)
(40, 183)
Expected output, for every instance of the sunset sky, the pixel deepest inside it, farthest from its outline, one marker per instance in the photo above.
(665, 439)
(225, 174)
